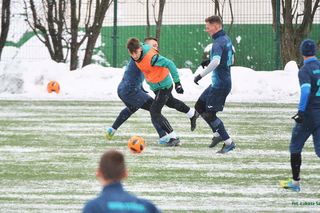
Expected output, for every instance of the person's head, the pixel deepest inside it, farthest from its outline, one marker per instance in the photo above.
(134, 48)
(111, 168)
(213, 25)
(152, 42)
(308, 48)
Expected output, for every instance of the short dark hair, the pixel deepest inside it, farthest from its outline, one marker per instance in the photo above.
(214, 19)
(112, 165)
(133, 44)
(150, 38)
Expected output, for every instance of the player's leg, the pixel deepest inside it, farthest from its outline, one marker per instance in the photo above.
(300, 134)
(316, 140)
(160, 131)
(200, 107)
(159, 121)
(180, 106)
(121, 118)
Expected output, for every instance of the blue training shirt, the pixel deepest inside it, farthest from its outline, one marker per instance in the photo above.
(114, 199)
(309, 79)
(221, 49)
(132, 78)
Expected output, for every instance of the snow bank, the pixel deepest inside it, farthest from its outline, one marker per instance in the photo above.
(28, 80)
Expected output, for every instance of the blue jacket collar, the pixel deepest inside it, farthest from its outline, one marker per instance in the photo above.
(309, 60)
(218, 34)
(113, 186)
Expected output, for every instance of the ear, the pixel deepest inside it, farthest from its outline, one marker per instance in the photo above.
(125, 174)
(98, 173)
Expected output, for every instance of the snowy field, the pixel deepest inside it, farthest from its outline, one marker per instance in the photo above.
(50, 143)
(49, 151)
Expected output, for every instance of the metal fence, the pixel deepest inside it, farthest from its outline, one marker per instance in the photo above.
(183, 39)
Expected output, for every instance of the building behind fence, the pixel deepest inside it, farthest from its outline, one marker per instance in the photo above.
(183, 36)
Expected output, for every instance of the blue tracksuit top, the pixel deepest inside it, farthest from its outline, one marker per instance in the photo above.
(221, 49)
(132, 77)
(309, 79)
(115, 199)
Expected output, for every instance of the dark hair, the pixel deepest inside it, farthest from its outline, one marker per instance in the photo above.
(112, 165)
(150, 38)
(214, 19)
(133, 44)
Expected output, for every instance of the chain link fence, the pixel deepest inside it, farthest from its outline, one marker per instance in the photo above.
(183, 36)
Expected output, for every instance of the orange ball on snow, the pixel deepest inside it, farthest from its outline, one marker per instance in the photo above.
(53, 86)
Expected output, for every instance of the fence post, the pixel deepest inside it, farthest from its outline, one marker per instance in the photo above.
(278, 39)
(114, 34)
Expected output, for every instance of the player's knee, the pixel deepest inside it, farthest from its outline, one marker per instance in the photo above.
(200, 107)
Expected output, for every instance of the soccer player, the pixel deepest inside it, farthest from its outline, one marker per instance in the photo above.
(157, 70)
(308, 116)
(113, 198)
(131, 92)
(212, 100)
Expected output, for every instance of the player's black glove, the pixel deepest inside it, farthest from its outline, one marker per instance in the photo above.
(205, 63)
(197, 78)
(179, 88)
(144, 89)
(298, 117)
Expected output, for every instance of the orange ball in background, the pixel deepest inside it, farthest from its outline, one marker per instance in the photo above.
(53, 86)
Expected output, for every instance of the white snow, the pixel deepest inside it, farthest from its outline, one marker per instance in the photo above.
(24, 78)
(28, 80)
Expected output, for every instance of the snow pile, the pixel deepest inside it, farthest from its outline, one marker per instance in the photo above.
(28, 80)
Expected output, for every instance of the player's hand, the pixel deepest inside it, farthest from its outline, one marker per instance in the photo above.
(298, 117)
(197, 78)
(179, 88)
(205, 63)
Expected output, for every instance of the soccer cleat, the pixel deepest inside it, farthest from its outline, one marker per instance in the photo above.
(109, 133)
(227, 148)
(215, 141)
(165, 140)
(193, 120)
(288, 184)
(173, 142)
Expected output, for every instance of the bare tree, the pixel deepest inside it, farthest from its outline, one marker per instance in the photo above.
(148, 19)
(5, 23)
(49, 26)
(297, 24)
(93, 30)
(158, 20)
(219, 8)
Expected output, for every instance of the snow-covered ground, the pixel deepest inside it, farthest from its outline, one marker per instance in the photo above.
(21, 79)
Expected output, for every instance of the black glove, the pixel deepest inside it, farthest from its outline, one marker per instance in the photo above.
(298, 117)
(197, 78)
(179, 88)
(205, 63)
(144, 89)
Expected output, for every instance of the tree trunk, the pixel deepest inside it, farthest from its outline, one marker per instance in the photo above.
(74, 47)
(54, 35)
(90, 47)
(159, 21)
(5, 23)
(148, 19)
(93, 32)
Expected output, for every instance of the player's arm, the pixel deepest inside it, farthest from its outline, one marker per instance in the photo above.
(305, 90)
(214, 63)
